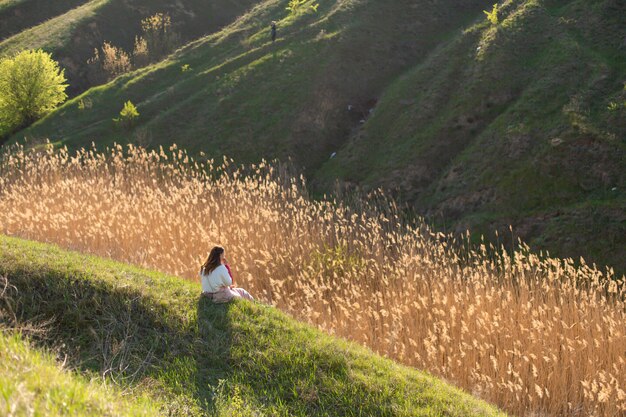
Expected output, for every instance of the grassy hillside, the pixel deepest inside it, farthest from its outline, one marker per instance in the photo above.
(522, 123)
(18, 15)
(71, 29)
(151, 336)
(246, 97)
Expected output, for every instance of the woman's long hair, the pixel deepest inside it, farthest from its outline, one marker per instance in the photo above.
(213, 261)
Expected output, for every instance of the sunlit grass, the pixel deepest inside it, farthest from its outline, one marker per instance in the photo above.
(32, 383)
(52, 32)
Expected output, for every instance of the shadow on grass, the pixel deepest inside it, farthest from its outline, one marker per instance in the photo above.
(212, 351)
(97, 327)
(118, 332)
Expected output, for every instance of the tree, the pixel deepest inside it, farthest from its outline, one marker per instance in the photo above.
(31, 85)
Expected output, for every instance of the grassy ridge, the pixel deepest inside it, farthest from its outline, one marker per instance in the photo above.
(510, 124)
(54, 32)
(150, 334)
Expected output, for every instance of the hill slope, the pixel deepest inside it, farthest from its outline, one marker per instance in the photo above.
(18, 15)
(476, 126)
(510, 124)
(150, 334)
(71, 29)
(246, 97)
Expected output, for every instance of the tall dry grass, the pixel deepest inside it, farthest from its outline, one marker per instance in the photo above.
(537, 336)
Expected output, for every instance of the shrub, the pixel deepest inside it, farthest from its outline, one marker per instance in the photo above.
(115, 60)
(299, 6)
(492, 16)
(85, 104)
(128, 115)
(157, 40)
(159, 35)
(31, 85)
(108, 63)
(141, 55)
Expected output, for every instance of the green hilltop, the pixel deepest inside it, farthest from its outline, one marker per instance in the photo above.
(470, 123)
(137, 342)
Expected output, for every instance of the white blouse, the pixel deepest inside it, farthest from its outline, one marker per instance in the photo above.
(216, 280)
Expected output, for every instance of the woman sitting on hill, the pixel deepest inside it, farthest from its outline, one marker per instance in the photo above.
(217, 281)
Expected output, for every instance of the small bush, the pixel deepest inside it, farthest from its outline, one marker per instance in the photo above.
(159, 36)
(115, 60)
(300, 6)
(492, 16)
(141, 55)
(85, 104)
(128, 115)
(108, 62)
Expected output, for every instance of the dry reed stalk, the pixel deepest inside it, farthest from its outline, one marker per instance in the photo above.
(534, 335)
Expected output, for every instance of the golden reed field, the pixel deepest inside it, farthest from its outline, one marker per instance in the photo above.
(536, 336)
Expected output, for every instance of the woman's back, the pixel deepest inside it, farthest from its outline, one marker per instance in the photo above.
(215, 280)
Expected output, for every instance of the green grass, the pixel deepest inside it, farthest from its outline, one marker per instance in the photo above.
(522, 76)
(151, 336)
(55, 31)
(249, 98)
(18, 15)
(33, 383)
(467, 136)
(7, 4)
